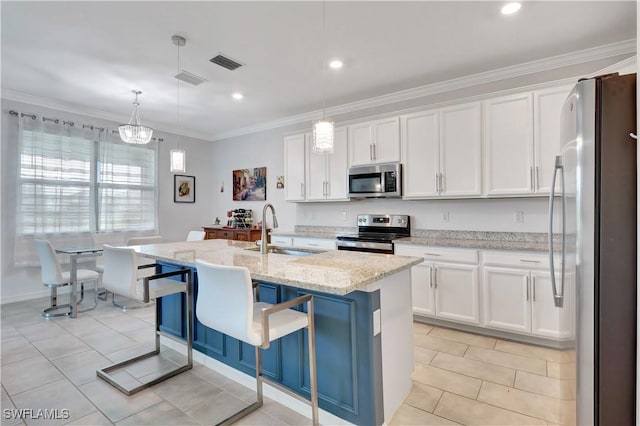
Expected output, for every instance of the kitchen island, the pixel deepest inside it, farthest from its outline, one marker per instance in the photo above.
(363, 323)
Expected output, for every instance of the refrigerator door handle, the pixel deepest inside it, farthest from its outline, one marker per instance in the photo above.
(558, 297)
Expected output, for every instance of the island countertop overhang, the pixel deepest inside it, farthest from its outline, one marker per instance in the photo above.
(334, 272)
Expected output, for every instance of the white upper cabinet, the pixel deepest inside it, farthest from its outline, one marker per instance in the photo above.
(442, 152)
(420, 154)
(294, 167)
(461, 150)
(547, 108)
(327, 173)
(508, 165)
(374, 142)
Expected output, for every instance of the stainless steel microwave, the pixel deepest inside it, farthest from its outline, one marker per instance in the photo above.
(375, 181)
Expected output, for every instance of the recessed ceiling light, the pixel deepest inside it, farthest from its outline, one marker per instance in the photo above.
(510, 8)
(336, 64)
(237, 96)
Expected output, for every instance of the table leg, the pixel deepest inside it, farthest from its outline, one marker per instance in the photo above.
(74, 280)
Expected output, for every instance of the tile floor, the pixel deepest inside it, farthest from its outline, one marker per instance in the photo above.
(459, 378)
(463, 378)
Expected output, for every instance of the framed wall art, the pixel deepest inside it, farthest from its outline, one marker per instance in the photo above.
(184, 189)
(250, 184)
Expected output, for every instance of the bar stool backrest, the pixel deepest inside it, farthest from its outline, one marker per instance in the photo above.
(51, 272)
(225, 301)
(120, 274)
(195, 236)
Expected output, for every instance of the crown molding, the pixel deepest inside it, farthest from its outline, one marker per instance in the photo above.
(540, 65)
(16, 96)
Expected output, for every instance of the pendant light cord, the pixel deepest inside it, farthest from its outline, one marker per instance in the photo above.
(324, 77)
(178, 103)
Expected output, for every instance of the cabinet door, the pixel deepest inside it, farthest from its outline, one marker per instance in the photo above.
(360, 144)
(420, 153)
(547, 108)
(456, 292)
(508, 166)
(386, 138)
(294, 161)
(316, 173)
(461, 150)
(337, 164)
(546, 319)
(506, 299)
(422, 289)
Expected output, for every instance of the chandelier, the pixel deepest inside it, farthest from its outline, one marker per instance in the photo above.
(134, 132)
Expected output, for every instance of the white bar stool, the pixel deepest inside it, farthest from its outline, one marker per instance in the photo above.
(225, 303)
(121, 277)
(196, 236)
(53, 277)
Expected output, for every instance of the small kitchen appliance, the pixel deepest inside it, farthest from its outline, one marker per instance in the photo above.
(375, 181)
(376, 233)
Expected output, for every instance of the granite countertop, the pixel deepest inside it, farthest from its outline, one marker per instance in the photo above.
(482, 240)
(335, 272)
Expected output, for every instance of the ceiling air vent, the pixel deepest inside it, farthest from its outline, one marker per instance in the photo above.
(226, 62)
(187, 77)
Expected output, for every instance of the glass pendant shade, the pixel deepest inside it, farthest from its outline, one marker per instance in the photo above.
(178, 160)
(134, 132)
(323, 136)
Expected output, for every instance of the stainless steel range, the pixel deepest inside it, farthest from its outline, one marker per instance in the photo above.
(376, 233)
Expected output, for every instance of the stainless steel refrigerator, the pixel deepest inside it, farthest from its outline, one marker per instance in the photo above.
(592, 208)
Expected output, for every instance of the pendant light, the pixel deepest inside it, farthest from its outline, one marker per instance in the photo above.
(323, 129)
(177, 156)
(134, 132)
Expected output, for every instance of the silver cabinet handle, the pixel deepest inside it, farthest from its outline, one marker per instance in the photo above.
(375, 152)
(371, 151)
(558, 297)
(324, 188)
(441, 182)
(529, 261)
(302, 189)
(533, 290)
(437, 184)
(528, 278)
(537, 183)
(431, 276)
(435, 277)
(531, 186)
(432, 254)
(313, 244)
(327, 190)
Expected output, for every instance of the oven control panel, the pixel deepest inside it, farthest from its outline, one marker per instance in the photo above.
(383, 220)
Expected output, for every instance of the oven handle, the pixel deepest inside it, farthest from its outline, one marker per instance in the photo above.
(363, 246)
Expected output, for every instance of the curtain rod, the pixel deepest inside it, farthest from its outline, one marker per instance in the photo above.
(68, 123)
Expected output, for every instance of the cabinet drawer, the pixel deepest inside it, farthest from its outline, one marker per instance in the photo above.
(229, 235)
(242, 236)
(211, 235)
(318, 243)
(438, 254)
(281, 241)
(519, 259)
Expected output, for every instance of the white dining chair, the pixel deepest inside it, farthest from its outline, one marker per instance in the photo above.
(196, 236)
(53, 277)
(146, 267)
(225, 302)
(121, 277)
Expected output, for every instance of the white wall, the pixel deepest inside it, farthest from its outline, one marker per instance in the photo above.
(174, 219)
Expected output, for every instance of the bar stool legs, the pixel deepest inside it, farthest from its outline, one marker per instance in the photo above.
(50, 312)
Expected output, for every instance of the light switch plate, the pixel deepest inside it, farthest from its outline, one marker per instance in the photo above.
(377, 326)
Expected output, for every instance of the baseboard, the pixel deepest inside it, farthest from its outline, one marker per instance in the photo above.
(249, 382)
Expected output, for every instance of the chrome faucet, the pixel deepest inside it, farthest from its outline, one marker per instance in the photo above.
(263, 235)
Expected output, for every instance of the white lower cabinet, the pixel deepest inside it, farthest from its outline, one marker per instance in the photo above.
(314, 243)
(518, 296)
(443, 288)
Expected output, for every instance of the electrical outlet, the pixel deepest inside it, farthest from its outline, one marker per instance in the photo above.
(344, 216)
(518, 217)
(445, 216)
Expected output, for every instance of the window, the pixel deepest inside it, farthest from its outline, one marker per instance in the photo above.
(73, 181)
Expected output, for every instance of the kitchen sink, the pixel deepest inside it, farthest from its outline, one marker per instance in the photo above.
(288, 251)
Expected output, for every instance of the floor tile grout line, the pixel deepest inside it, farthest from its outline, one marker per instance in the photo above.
(513, 411)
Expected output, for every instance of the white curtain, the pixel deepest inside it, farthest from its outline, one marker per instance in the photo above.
(74, 181)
